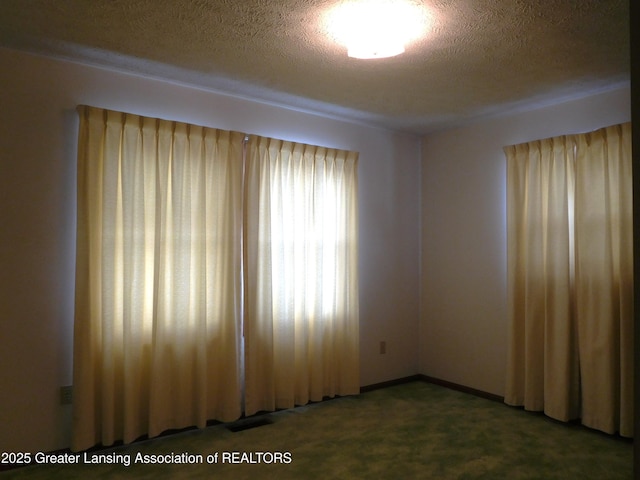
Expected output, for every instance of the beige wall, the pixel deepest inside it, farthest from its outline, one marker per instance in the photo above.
(37, 213)
(463, 324)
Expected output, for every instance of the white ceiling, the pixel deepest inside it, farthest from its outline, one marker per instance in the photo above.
(480, 57)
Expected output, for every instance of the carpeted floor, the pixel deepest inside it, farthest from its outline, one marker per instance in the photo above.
(411, 431)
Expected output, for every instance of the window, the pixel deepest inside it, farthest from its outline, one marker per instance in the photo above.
(570, 278)
(302, 280)
(174, 228)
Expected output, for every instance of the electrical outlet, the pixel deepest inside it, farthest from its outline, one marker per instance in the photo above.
(66, 395)
(383, 347)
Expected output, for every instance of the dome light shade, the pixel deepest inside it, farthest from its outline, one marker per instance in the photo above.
(373, 51)
(376, 28)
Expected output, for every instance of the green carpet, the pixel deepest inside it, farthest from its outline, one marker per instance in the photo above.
(411, 431)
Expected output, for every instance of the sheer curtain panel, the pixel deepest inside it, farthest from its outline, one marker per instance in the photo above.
(189, 237)
(604, 277)
(543, 371)
(301, 254)
(570, 260)
(158, 293)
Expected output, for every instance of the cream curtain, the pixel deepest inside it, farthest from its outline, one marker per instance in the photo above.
(179, 228)
(158, 293)
(570, 278)
(301, 297)
(604, 277)
(543, 372)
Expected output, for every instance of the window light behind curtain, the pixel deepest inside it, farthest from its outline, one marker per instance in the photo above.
(159, 277)
(301, 232)
(570, 263)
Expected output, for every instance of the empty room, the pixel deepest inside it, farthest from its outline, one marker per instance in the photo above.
(316, 238)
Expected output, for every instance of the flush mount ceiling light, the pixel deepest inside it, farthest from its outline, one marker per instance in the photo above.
(376, 28)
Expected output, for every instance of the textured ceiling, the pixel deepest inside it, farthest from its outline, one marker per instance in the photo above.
(479, 57)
